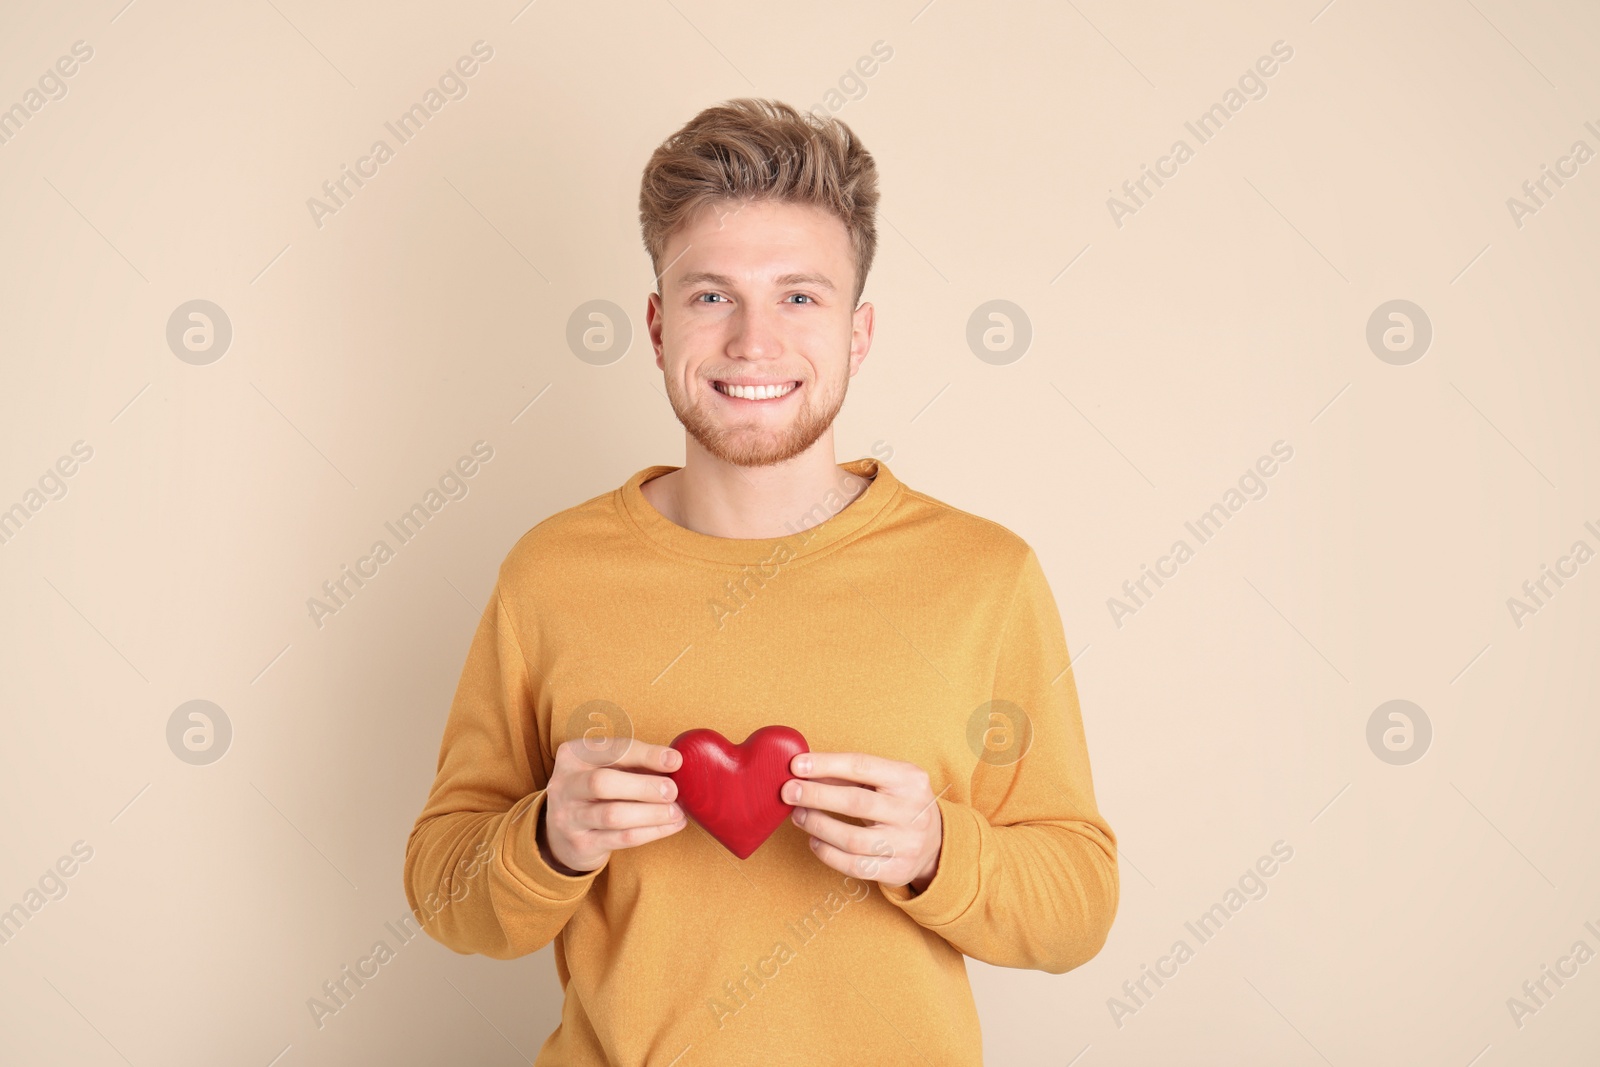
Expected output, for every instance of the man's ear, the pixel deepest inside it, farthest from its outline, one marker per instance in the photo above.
(861, 326)
(653, 312)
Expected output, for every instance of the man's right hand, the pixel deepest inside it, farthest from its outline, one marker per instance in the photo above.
(592, 810)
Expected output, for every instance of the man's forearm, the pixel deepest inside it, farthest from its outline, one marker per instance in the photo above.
(506, 904)
(1039, 895)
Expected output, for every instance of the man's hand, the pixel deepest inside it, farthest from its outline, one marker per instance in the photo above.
(592, 810)
(900, 846)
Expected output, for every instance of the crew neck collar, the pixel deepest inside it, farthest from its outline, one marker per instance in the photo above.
(641, 516)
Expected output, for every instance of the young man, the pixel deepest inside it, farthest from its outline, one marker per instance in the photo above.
(946, 808)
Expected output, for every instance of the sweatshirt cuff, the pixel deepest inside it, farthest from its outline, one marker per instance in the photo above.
(955, 879)
(520, 852)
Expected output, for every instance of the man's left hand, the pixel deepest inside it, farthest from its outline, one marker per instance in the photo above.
(899, 846)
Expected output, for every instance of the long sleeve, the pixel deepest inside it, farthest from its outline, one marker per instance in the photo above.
(1027, 873)
(473, 873)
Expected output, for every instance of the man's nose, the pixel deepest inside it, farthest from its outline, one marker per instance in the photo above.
(756, 333)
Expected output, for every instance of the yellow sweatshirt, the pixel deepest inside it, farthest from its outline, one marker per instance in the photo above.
(900, 627)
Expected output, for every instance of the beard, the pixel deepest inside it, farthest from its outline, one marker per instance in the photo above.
(742, 440)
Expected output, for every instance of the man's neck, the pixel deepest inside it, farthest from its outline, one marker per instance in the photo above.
(711, 496)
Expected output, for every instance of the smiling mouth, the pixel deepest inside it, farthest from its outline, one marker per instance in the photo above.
(757, 393)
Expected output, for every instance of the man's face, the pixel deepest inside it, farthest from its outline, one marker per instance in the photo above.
(758, 294)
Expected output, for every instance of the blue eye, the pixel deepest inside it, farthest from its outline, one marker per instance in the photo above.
(708, 294)
(806, 295)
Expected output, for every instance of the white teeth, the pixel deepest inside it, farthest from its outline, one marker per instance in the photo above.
(757, 392)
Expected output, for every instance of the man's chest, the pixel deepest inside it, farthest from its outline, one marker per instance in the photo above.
(862, 660)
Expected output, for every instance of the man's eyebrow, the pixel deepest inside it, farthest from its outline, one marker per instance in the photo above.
(709, 277)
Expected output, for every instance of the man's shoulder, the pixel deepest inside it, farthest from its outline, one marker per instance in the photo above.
(576, 535)
(968, 539)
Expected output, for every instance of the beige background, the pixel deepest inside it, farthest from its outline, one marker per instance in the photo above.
(1230, 312)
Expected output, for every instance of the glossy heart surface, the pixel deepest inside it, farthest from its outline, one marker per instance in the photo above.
(734, 791)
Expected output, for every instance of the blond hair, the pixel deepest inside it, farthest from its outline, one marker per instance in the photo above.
(753, 150)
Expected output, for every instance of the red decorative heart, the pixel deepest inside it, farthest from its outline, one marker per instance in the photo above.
(734, 790)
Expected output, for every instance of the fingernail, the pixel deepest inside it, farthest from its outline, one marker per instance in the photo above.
(791, 792)
(674, 759)
(672, 809)
(663, 788)
(802, 764)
